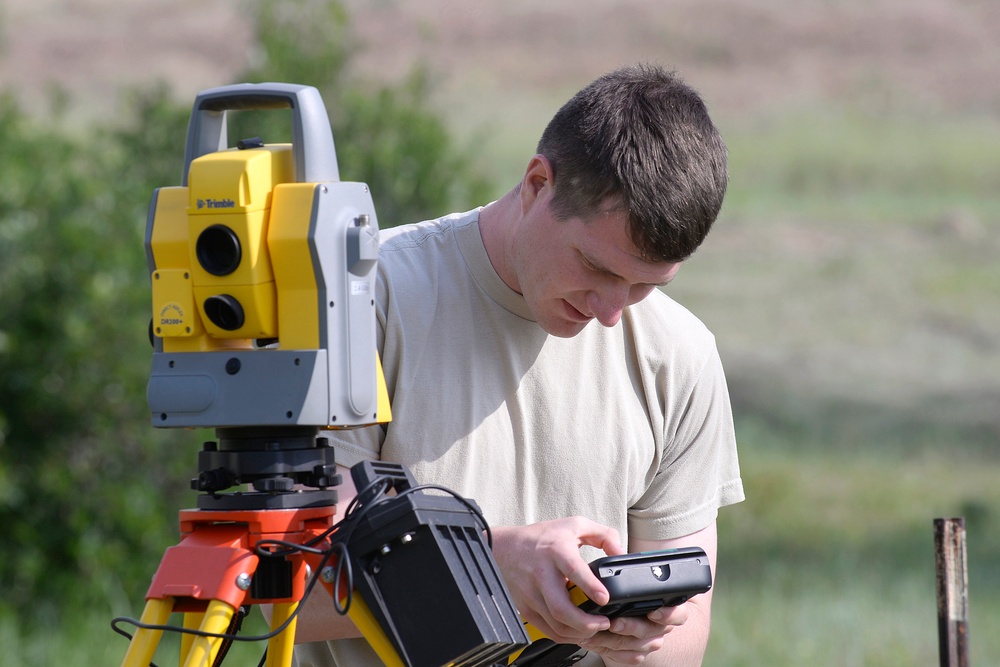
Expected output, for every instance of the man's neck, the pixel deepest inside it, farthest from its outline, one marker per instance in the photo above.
(497, 222)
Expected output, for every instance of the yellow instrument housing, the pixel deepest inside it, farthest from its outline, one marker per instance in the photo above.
(233, 189)
(274, 252)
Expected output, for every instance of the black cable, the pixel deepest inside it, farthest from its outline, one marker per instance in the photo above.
(221, 635)
(289, 548)
(343, 562)
(469, 505)
(234, 628)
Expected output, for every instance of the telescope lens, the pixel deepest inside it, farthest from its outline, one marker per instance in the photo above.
(218, 250)
(225, 312)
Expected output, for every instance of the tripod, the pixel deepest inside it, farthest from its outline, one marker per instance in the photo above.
(398, 546)
(239, 549)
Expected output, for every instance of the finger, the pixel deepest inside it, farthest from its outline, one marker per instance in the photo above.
(574, 569)
(557, 616)
(624, 657)
(622, 648)
(578, 571)
(670, 616)
(598, 535)
(571, 622)
(565, 633)
(638, 627)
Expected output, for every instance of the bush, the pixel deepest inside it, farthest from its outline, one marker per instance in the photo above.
(73, 362)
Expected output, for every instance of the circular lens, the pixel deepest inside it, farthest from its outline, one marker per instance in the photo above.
(218, 250)
(225, 312)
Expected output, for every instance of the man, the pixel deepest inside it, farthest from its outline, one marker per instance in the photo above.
(575, 437)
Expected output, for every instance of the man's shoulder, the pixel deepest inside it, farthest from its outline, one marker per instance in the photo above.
(419, 260)
(659, 308)
(662, 321)
(424, 234)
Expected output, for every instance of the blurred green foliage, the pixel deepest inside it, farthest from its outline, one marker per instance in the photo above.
(88, 490)
(76, 458)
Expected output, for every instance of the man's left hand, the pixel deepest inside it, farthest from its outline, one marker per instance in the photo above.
(631, 638)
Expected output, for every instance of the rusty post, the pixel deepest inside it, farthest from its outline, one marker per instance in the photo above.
(952, 592)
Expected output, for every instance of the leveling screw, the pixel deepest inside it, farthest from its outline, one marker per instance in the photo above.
(328, 574)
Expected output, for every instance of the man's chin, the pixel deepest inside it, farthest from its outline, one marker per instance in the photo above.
(563, 328)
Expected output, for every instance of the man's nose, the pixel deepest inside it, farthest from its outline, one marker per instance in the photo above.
(608, 303)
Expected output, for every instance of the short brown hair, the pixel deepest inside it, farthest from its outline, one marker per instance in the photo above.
(643, 138)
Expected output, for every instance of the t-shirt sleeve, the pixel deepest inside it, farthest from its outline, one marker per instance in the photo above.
(356, 445)
(698, 470)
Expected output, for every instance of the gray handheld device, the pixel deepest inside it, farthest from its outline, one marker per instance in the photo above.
(638, 584)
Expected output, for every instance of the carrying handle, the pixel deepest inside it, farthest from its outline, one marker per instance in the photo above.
(312, 140)
(398, 476)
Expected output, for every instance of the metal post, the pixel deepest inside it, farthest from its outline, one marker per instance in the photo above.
(952, 592)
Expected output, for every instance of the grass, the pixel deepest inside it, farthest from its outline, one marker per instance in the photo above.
(82, 637)
(855, 260)
(842, 164)
(831, 559)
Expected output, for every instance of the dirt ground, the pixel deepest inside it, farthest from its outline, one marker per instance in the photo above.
(941, 56)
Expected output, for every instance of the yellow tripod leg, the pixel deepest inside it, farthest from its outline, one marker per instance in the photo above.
(279, 647)
(203, 650)
(366, 622)
(143, 645)
(192, 621)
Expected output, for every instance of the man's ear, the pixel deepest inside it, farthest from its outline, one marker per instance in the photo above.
(538, 182)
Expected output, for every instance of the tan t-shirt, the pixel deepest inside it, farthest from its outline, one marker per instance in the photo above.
(630, 426)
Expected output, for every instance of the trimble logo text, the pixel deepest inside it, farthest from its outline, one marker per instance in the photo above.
(216, 203)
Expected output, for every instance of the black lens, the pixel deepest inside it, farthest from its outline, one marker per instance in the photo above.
(218, 250)
(225, 312)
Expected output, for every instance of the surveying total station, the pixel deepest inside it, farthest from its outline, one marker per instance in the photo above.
(262, 264)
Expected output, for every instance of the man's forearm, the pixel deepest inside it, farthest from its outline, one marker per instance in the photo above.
(685, 645)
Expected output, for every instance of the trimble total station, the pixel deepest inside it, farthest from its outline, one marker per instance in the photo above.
(263, 264)
(263, 279)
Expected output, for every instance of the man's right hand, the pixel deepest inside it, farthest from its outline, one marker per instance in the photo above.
(538, 561)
